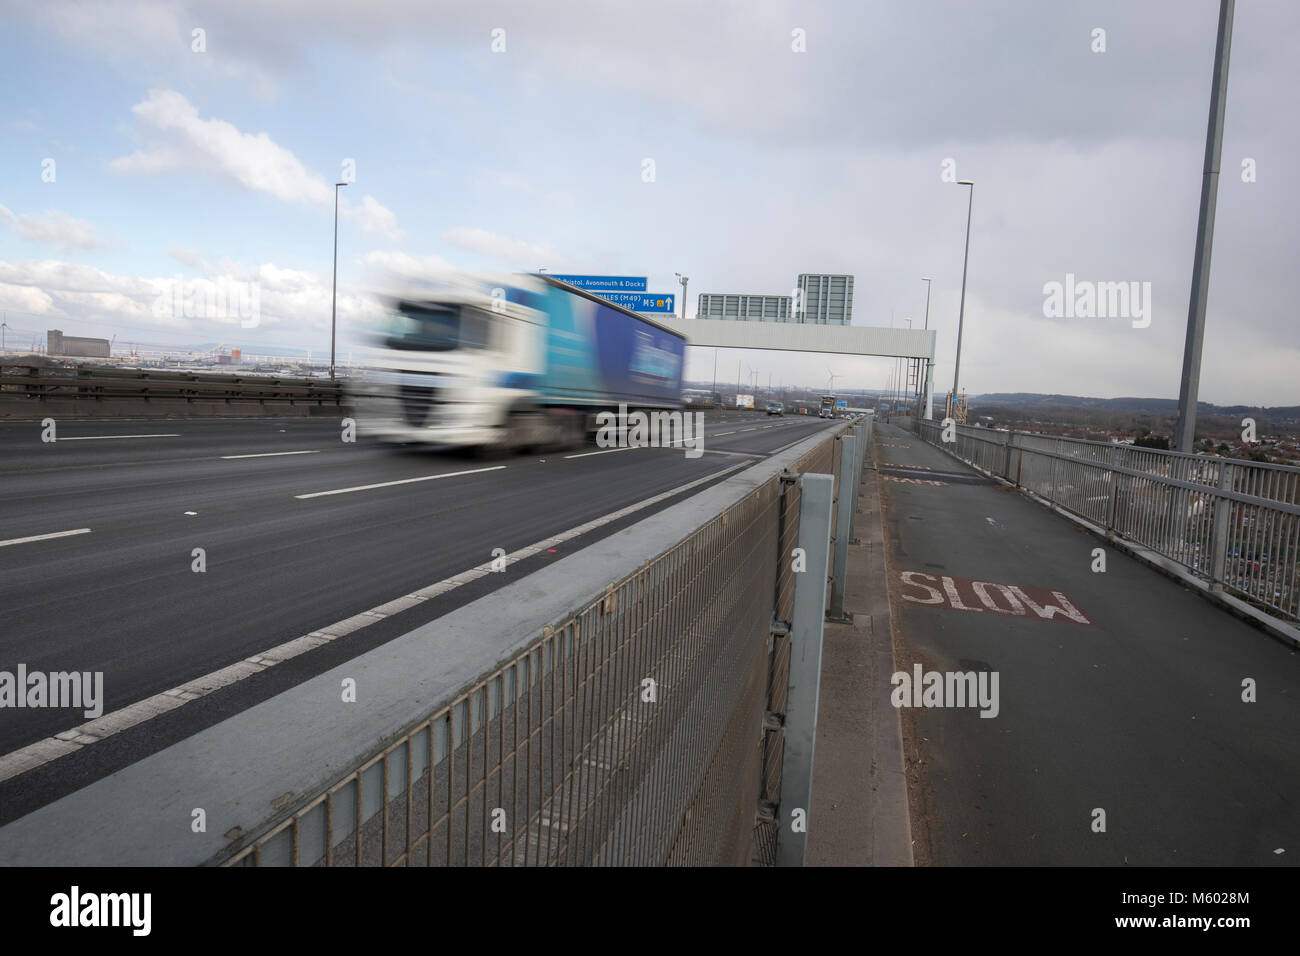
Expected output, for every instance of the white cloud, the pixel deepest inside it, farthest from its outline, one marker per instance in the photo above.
(186, 255)
(182, 141)
(55, 227)
(22, 298)
(374, 218)
(517, 252)
(403, 266)
(218, 147)
(293, 305)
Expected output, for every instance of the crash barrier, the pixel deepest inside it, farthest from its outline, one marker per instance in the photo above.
(28, 387)
(647, 726)
(1233, 524)
(607, 709)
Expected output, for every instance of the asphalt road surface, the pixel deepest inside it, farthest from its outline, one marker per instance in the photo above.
(1119, 691)
(123, 597)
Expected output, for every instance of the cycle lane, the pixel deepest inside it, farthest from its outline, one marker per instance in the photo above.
(1116, 691)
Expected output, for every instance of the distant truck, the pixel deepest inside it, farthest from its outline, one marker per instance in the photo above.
(521, 361)
(828, 407)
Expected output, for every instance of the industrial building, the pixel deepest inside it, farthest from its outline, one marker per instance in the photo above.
(824, 299)
(73, 346)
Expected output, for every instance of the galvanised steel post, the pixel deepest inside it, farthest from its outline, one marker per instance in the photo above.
(860, 456)
(1113, 500)
(1219, 546)
(843, 518)
(1055, 459)
(806, 630)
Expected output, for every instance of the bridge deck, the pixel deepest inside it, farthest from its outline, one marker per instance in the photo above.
(1118, 690)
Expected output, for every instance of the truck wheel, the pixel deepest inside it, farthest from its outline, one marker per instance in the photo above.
(507, 440)
(578, 432)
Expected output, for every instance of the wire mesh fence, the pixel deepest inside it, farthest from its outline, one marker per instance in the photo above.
(1233, 523)
(634, 732)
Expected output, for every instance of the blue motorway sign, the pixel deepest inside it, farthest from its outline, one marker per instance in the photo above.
(643, 301)
(843, 403)
(605, 283)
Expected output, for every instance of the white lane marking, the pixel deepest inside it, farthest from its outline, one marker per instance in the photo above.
(43, 537)
(607, 451)
(270, 454)
(107, 437)
(720, 434)
(403, 481)
(51, 748)
(191, 512)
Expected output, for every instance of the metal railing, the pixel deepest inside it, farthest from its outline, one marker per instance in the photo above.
(1234, 524)
(22, 383)
(645, 727)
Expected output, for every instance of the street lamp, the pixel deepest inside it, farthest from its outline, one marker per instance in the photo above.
(335, 296)
(1190, 386)
(929, 363)
(961, 314)
(683, 280)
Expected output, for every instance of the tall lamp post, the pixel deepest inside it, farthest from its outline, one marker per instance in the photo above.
(1190, 386)
(907, 374)
(683, 280)
(929, 363)
(961, 313)
(334, 299)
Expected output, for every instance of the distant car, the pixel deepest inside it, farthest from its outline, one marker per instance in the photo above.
(775, 408)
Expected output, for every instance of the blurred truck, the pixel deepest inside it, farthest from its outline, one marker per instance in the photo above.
(511, 362)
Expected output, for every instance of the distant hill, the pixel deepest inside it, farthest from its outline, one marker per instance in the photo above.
(1136, 406)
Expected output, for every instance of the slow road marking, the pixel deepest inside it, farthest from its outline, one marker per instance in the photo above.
(963, 594)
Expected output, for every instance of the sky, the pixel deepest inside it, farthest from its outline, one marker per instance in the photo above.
(739, 142)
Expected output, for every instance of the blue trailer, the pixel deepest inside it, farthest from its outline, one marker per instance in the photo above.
(517, 361)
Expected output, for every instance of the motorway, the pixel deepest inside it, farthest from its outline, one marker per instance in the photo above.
(1120, 690)
(299, 531)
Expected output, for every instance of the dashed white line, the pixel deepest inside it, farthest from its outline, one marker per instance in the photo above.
(107, 437)
(607, 451)
(69, 741)
(270, 454)
(44, 537)
(402, 481)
